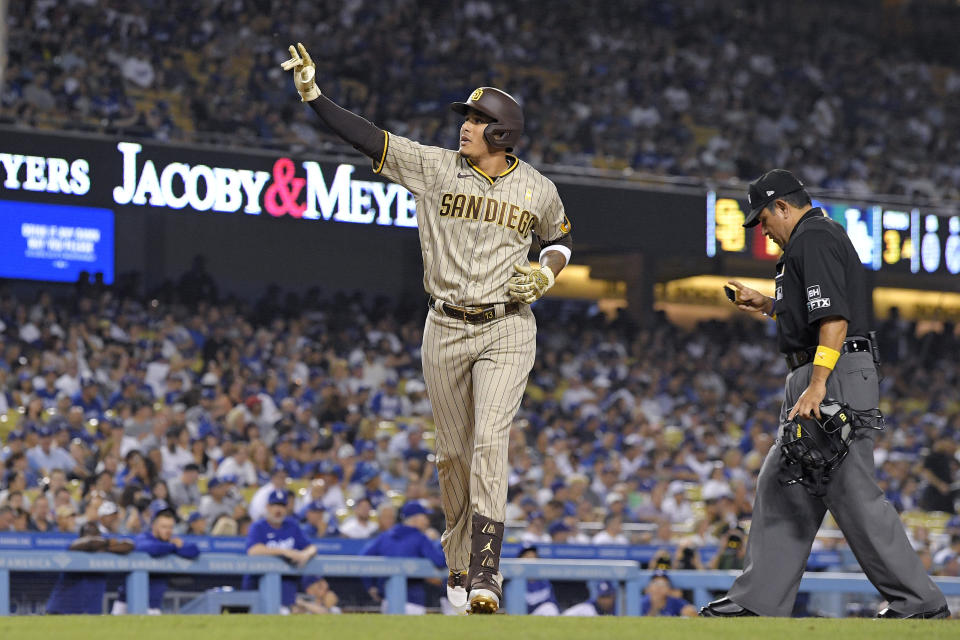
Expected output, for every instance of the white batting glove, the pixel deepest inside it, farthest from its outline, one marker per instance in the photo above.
(304, 72)
(528, 284)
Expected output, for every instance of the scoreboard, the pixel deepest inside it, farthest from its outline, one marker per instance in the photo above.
(887, 238)
(726, 234)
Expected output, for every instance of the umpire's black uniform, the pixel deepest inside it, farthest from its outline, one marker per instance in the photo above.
(820, 276)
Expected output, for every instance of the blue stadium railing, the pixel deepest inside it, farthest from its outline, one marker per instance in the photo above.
(139, 566)
(348, 547)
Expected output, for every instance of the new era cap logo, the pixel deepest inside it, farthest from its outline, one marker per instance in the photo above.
(770, 193)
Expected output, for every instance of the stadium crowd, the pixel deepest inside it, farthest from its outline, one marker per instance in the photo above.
(114, 407)
(857, 96)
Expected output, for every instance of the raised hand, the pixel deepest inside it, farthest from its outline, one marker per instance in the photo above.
(304, 72)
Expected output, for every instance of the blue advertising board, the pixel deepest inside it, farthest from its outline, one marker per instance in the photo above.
(53, 242)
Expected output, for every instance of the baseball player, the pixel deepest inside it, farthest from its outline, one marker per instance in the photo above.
(477, 209)
(660, 600)
(278, 534)
(406, 539)
(603, 604)
(76, 592)
(159, 541)
(541, 599)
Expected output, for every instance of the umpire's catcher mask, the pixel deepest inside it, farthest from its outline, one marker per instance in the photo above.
(811, 449)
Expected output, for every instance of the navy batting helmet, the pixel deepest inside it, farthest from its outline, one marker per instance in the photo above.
(507, 125)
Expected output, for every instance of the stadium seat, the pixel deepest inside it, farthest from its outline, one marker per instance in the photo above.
(673, 436)
(9, 421)
(386, 426)
(298, 486)
(76, 488)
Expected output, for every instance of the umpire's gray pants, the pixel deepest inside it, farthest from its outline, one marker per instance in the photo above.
(786, 519)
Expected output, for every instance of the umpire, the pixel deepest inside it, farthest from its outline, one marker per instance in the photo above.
(821, 313)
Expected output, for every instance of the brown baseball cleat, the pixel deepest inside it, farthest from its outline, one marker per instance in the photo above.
(485, 597)
(483, 579)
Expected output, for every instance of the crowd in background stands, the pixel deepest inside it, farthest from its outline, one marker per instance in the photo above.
(209, 406)
(855, 95)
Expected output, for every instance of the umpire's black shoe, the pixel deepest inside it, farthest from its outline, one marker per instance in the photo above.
(942, 612)
(725, 608)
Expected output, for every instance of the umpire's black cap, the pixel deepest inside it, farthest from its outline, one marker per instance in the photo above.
(767, 188)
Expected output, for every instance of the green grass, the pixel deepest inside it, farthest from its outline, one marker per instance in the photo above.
(377, 627)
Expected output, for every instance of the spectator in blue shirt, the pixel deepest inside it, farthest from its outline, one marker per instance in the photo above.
(366, 484)
(406, 540)
(89, 399)
(158, 542)
(49, 392)
(174, 390)
(541, 600)
(14, 445)
(659, 601)
(388, 404)
(46, 456)
(74, 425)
(415, 446)
(278, 534)
(125, 393)
(318, 523)
(285, 457)
(196, 524)
(18, 463)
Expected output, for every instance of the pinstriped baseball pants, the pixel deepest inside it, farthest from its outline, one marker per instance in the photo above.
(475, 376)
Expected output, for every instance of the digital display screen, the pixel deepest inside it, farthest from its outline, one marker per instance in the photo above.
(884, 238)
(863, 229)
(726, 233)
(939, 241)
(55, 242)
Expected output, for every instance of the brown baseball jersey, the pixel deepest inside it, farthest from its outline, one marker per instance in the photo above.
(473, 229)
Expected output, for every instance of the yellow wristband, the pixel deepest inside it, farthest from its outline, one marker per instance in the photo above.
(826, 357)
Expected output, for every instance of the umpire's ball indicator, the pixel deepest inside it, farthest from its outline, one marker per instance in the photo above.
(280, 192)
